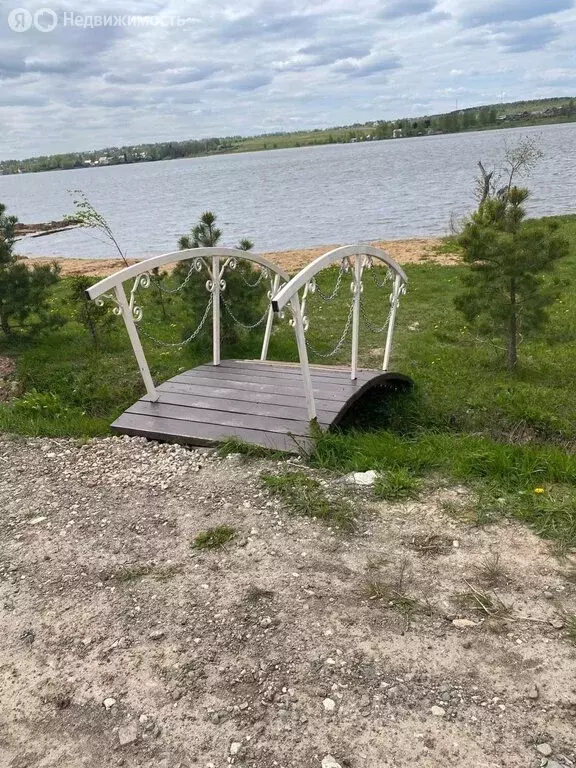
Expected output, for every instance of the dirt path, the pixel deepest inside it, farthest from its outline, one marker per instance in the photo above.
(123, 646)
(404, 251)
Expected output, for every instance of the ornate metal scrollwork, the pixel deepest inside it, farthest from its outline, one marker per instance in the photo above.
(116, 309)
(142, 281)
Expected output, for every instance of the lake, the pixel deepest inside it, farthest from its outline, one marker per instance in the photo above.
(290, 198)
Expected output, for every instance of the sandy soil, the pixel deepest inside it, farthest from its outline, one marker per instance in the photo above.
(124, 646)
(404, 251)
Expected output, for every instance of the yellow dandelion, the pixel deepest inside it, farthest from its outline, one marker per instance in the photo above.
(538, 490)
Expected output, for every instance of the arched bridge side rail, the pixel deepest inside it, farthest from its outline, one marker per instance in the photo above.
(215, 261)
(356, 259)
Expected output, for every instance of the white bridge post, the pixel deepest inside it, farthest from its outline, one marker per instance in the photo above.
(358, 266)
(270, 320)
(393, 309)
(135, 341)
(303, 355)
(215, 310)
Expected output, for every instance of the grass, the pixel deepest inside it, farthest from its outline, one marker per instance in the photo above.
(392, 591)
(468, 420)
(214, 538)
(491, 571)
(483, 603)
(305, 496)
(235, 446)
(397, 484)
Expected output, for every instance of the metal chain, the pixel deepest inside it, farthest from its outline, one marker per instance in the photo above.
(263, 274)
(369, 324)
(239, 322)
(193, 268)
(378, 283)
(174, 345)
(336, 287)
(341, 341)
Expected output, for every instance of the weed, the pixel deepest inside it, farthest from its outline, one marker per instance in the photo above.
(397, 484)
(483, 603)
(491, 571)
(305, 496)
(393, 591)
(214, 538)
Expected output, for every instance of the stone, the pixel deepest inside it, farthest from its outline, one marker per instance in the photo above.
(158, 634)
(464, 623)
(329, 705)
(330, 762)
(109, 703)
(363, 479)
(438, 711)
(235, 747)
(533, 692)
(557, 624)
(127, 734)
(544, 749)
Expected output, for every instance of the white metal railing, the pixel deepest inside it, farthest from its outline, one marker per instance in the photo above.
(356, 260)
(214, 262)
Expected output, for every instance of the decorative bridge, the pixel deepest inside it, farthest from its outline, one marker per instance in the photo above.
(265, 403)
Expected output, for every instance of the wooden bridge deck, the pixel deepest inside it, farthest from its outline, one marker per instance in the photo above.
(259, 403)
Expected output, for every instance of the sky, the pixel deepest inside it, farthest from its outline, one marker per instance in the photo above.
(187, 69)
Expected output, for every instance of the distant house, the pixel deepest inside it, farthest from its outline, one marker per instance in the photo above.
(397, 134)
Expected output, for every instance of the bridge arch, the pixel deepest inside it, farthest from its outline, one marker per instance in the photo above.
(266, 403)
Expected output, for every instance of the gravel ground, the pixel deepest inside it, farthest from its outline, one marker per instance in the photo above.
(418, 641)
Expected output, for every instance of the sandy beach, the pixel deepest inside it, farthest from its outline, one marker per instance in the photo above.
(411, 251)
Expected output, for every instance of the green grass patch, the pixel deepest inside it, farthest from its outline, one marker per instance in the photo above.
(397, 484)
(305, 496)
(214, 538)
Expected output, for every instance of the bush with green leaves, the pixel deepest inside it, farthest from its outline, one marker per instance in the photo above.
(24, 292)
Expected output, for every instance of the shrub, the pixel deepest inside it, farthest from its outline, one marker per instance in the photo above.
(23, 291)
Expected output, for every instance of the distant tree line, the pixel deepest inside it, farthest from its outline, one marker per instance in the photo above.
(477, 118)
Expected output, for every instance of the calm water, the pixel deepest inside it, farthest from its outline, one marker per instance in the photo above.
(290, 198)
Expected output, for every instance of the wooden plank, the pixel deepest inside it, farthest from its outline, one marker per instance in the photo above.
(222, 418)
(272, 376)
(269, 398)
(156, 428)
(294, 369)
(322, 392)
(242, 406)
